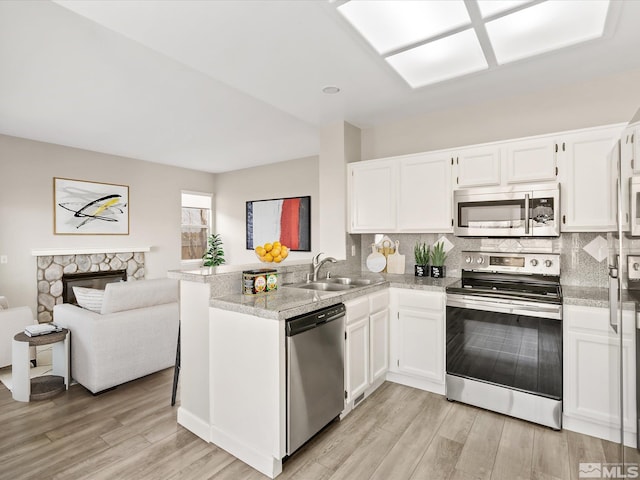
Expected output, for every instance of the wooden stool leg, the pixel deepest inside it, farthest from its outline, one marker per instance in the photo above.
(176, 371)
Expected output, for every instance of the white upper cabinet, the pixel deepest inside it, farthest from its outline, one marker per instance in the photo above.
(414, 193)
(531, 161)
(424, 193)
(588, 177)
(408, 194)
(372, 196)
(478, 167)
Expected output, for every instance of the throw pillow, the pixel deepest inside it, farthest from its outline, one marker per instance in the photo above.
(89, 298)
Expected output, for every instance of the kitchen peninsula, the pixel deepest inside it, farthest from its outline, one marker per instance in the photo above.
(233, 359)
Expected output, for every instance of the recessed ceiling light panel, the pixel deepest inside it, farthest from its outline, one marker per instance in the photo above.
(493, 7)
(389, 25)
(546, 26)
(449, 57)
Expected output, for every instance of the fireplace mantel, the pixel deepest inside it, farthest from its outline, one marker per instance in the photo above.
(44, 252)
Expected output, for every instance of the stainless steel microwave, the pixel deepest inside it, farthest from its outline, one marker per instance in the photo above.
(515, 211)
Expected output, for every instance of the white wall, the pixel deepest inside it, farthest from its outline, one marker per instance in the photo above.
(284, 179)
(27, 169)
(611, 99)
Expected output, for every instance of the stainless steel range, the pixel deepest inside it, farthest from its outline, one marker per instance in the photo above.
(504, 335)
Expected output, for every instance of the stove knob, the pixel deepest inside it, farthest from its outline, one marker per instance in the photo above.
(480, 260)
(636, 266)
(468, 259)
(548, 263)
(534, 262)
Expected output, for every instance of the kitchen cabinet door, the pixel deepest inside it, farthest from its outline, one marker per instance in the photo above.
(531, 160)
(379, 344)
(425, 200)
(419, 331)
(591, 372)
(357, 358)
(478, 167)
(372, 196)
(588, 181)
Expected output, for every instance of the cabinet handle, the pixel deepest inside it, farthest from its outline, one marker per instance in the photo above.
(556, 148)
(563, 149)
(556, 171)
(564, 219)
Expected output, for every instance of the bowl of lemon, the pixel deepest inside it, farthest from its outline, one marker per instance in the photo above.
(272, 252)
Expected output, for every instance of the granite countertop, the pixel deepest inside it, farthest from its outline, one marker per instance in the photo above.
(289, 301)
(595, 297)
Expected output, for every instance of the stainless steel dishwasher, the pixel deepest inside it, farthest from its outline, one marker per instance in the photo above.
(315, 373)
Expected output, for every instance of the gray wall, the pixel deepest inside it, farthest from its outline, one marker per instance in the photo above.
(607, 100)
(27, 169)
(285, 179)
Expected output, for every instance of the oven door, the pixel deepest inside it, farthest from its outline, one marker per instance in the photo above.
(507, 343)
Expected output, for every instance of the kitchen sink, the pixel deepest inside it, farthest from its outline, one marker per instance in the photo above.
(349, 281)
(335, 284)
(324, 286)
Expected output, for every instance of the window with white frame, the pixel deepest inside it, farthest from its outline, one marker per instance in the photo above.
(196, 224)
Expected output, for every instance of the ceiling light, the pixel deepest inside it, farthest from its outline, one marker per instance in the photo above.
(449, 57)
(330, 89)
(392, 24)
(489, 8)
(546, 26)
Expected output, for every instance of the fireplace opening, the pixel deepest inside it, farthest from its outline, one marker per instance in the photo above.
(96, 280)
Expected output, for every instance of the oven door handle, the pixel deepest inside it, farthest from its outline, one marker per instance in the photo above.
(539, 309)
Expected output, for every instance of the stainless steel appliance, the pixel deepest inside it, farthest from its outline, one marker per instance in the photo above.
(315, 373)
(633, 267)
(516, 211)
(634, 205)
(504, 335)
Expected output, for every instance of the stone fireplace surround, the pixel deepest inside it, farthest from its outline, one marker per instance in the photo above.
(51, 265)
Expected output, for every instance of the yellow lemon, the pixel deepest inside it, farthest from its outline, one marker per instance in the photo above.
(284, 251)
(276, 251)
(277, 259)
(268, 247)
(260, 251)
(268, 257)
(263, 258)
(276, 244)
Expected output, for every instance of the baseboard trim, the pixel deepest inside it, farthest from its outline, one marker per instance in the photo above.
(194, 424)
(606, 432)
(265, 464)
(420, 383)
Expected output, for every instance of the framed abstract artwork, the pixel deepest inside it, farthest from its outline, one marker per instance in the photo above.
(287, 220)
(89, 208)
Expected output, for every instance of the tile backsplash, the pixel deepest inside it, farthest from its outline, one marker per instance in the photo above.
(578, 267)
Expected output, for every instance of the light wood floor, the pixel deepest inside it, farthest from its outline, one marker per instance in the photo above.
(398, 433)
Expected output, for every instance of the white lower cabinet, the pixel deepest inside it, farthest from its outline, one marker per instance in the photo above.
(591, 357)
(418, 339)
(366, 346)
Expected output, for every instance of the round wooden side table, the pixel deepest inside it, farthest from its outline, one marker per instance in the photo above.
(46, 386)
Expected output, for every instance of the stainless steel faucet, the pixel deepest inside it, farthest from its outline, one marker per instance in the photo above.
(316, 263)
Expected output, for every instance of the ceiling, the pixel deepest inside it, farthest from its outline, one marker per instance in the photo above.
(224, 85)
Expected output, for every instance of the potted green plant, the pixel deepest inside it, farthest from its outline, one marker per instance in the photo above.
(421, 254)
(214, 255)
(438, 256)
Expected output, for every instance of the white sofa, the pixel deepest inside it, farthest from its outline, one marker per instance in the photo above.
(12, 321)
(135, 333)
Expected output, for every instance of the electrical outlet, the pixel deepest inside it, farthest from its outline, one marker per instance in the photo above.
(4, 259)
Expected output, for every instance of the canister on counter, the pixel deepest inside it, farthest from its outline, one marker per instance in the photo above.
(259, 281)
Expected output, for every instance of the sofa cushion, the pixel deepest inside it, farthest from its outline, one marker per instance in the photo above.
(89, 298)
(121, 296)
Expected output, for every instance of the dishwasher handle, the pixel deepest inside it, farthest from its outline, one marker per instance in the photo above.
(308, 321)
